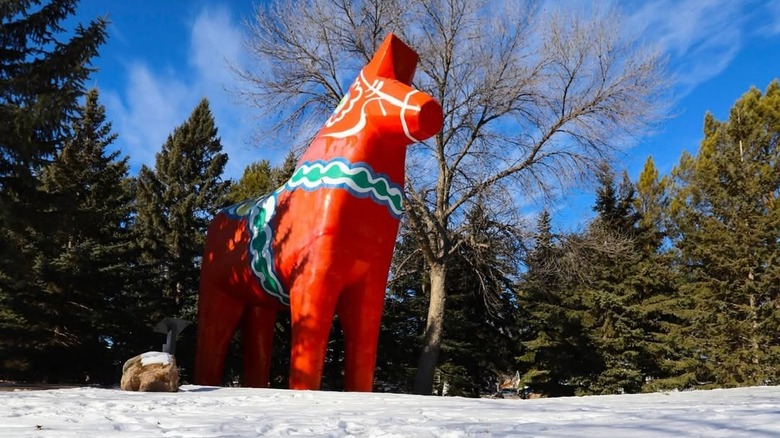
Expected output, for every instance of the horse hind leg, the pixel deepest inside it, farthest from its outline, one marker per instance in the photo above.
(218, 317)
(257, 331)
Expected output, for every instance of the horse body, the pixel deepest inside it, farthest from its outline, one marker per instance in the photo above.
(323, 242)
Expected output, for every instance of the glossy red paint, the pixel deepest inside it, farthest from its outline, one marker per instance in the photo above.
(331, 231)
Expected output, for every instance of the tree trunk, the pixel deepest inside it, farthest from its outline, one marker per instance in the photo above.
(754, 342)
(433, 330)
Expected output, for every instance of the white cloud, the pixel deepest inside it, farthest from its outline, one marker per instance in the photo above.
(701, 37)
(146, 112)
(215, 42)
(157, 100)
(215, 45)
(773, 14)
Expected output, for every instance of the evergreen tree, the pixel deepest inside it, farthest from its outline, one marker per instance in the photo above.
(403, 319)
(651, 204)
(612, 297)
(481, 335)
(596, 301)
(176, 201)
(664, 311)
(42, 72)
(634, 313)
(255, 181)
(88, 276)
(558, 358)
(41, 78)
(726, 215)
(260, 178)
(282, 173)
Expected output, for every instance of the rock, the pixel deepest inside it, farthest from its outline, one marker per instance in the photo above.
(150, 372)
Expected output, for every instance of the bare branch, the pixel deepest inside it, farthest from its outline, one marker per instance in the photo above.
(532, 101)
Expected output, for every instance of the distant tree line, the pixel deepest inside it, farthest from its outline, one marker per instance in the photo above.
(674, 284)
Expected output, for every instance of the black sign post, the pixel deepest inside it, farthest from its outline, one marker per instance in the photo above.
(170, 327)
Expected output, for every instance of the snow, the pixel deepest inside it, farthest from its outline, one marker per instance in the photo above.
(151, 357)
(198, 411)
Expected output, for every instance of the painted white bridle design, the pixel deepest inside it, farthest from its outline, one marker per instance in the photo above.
(375, 93)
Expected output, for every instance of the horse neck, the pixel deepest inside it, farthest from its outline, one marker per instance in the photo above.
(385, 156)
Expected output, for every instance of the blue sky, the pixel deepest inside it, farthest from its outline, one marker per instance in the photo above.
(162, 57)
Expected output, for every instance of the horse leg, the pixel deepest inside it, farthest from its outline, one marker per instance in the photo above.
(258, 333)
(218, 317)
(360, 314)
(312, 306)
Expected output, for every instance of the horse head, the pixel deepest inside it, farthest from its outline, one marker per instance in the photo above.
(382, 102)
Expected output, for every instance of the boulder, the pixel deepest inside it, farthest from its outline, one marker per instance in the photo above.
(150, 372)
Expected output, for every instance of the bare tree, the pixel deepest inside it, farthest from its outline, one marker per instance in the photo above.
(532, 101)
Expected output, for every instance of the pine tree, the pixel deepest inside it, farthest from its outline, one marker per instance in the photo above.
(727, 220)
(634, 314)
(42, 72)
(283, 172)
(176, 201)
(403, 319)
(664, 311)
(89, 271)
(595, 299)
(481, 335)
(255, 181)
(41, 79)
(259, 178)
(558, 358)
(611, 294)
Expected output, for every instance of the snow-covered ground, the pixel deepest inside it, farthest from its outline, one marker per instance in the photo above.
(199, 411)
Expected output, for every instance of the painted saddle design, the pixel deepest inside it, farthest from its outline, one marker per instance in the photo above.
(359, 179)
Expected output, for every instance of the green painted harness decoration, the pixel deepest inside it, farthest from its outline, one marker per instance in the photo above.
(359, 179)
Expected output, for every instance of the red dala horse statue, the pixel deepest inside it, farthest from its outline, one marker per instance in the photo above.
(322, 243)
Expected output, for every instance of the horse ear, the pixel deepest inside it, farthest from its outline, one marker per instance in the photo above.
(393, 60)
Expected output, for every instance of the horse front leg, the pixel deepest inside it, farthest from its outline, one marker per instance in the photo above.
(313, 300)
(360, 314)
